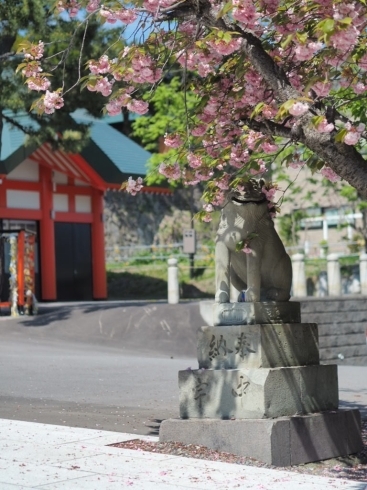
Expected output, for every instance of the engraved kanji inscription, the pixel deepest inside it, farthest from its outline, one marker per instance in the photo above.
(242, 346)
(200, 390)
(218, 347)
(241, 387)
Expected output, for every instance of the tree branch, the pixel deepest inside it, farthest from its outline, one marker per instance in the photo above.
(268, 127)
(345, 160)
(25, 129)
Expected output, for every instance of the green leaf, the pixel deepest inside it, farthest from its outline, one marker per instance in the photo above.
(327, 26)
(226, 8)
(288, 104)
(317, 120)
(257, 110)
(340, 135)
(240, 245)
(286, 41)
(20, 67)
(347, 21)
(302, 37)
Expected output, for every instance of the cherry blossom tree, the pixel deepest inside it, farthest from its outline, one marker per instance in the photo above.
(274, 80)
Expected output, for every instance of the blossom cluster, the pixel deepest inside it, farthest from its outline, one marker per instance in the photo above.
(133, 68)
(134, 186)
(353, 133)
(36, 80)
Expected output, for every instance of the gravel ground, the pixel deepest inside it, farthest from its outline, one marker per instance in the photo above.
(352, 467)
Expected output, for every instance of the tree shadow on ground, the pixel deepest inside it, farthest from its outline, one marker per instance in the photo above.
(127, 286)
(44, 317)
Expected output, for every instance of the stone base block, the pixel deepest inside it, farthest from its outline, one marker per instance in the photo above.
(259, 312)
(258, 346)
(257, 393)
(284, 441)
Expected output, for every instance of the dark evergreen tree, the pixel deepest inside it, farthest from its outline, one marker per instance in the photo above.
(34, 20)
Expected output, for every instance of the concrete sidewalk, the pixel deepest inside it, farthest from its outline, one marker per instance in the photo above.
(40, 456)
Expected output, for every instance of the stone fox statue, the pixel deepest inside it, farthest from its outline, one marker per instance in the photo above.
(265, 271)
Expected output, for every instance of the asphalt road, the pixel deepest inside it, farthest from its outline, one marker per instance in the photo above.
(103, 367)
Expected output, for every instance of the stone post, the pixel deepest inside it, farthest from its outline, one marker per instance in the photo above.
(299, 275)
(333, 275)
(173, 286)
(363, 272)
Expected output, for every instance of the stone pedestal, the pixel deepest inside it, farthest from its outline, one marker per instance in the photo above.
(257, 312)
(261, 392)
(283, 441)
(257, 393)
(258, 346)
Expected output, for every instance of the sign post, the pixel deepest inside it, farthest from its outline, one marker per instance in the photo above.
(189, 247)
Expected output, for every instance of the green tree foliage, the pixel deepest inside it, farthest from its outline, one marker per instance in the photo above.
(169, 112)
(289, 225)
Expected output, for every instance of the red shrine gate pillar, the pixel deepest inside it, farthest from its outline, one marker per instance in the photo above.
(98, 247)
(47, 237)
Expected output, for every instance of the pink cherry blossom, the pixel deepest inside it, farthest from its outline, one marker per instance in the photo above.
(124, 99)
(324, 126)
(195, 161)
(307, 51)
(329, 174)
(245, 13)
(173, 140)
(113, 107)
(199, 130)
(207, 218)
(204, 174)
(225, 48)
(354, 133)
(108, 15)
(260, 170)
(154, 5)
(322, 89)
(52, 101)
(298, 109)
(102, 85)
(219, 198)
(32, 69)
(363, 62)
(269, 111)
(127, 16)
(92, 5)
(223, 182)
(359, 88)
(246, 249)
(352, 138)
(138, 106)
(208, 208)
(72, 6)
(345, 39)
(269, 147)
(134, 186)
(252, 139)
(269, 193)
(170, 171)
(100, 66)
(35, 51)
(38, 83)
